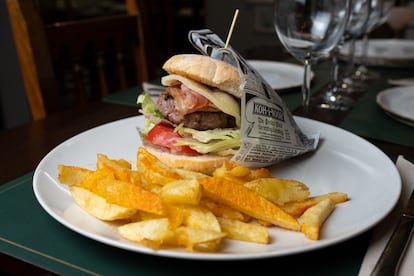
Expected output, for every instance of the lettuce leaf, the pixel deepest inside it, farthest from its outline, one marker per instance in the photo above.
(150, 111)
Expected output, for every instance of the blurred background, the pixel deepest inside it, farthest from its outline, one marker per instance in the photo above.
(169, 21)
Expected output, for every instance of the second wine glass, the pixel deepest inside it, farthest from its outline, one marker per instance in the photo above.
(309, 30)
(335, 97)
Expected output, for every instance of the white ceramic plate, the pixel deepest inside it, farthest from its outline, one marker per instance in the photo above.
(398, 102)
(280, 75)
(373, 188)
(384, 52)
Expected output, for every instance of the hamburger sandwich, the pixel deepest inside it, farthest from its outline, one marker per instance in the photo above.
(195, 122)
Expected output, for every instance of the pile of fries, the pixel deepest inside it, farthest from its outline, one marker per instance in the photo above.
(164, 207)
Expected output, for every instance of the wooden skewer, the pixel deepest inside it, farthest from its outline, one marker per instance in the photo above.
(236, 13)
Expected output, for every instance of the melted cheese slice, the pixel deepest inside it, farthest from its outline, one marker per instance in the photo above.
(222, 100)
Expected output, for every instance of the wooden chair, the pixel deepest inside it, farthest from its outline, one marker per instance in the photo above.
(70, 63)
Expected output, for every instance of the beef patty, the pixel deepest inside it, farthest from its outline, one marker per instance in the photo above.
(200, 120)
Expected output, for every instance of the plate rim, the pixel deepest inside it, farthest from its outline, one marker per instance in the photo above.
(216, 256)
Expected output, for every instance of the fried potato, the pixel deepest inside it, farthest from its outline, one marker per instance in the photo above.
(247, 201)
(158, 205)
(153, 171)
(298, 207)
(224, 211)
(186, 191)
(238, 230)
(104, 162)
(202, 239)
(72, 175)
(239, 173)
(312, 219)
(98, 206)
(186, 174)
(198, 217)
(103, 183)
(152, 233)
(121, 168)
(279, 190)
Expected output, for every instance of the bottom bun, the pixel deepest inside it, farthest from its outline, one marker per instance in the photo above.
(200, 163)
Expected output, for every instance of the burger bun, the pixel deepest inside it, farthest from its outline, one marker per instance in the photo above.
(207, 70)
(205, 163)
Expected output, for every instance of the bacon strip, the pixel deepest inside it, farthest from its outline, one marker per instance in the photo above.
(187, 101)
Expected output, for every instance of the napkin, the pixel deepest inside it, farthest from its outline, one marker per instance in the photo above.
(384, 229)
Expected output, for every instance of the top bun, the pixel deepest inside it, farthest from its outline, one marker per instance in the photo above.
(207, 70)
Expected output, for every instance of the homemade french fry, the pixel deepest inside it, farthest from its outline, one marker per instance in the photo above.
(193, 237)
(103, 183)
(153, 171)
(297, 208)
(242, 231)
(200, 218)
(98, 206)
(240, 174)
(105, 162)
(224, 211)
(181, 192)
(72, 175)
(312, 219)
(152, 233)
(247, 201)
(160, 206)
(279, 190)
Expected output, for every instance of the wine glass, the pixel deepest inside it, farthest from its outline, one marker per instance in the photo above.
(309, 30)
(381, 10)
(334, 98)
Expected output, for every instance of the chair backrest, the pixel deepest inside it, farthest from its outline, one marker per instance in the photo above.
(72, 62)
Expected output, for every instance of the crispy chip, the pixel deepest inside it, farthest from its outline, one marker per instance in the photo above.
(153, 170)
(192, 237)
(247, 201)
(103, 183)
(161, 206)
(312, 219)
(239, 173)
(152, 233)
(186, 191)
(242, 231)
(198, 217)
(223, 210)
(98, 206)
(72, 175)
(279, 190)
(298, 207)
(105, 162)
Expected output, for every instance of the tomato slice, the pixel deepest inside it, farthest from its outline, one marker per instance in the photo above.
(163, 134)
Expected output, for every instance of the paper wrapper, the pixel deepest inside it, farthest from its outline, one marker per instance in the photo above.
(268, 130)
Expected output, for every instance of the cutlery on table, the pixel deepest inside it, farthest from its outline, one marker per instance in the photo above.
(394, 250)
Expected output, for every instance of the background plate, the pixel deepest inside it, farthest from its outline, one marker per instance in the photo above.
(384, 52)
(281, 76)
(373, 188)
(398, 102)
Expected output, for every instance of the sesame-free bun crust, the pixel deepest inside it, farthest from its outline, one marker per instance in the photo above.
(207, 70)
(205, 163)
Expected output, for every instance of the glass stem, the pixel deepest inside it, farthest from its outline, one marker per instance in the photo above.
(334, 71)
(306, 83)
(351, 64)
(364, 53)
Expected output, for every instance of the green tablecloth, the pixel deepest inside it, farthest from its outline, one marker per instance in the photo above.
(368, 120)
(27, 232)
